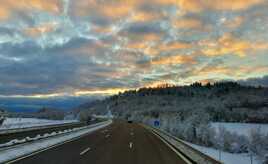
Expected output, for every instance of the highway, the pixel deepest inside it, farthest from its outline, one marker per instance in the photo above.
(119, 143)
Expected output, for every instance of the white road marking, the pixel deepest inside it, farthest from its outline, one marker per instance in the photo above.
(130, 145)
(131, 133)
(108, 135)
(104, 131)
(84, 151)
(169, 145)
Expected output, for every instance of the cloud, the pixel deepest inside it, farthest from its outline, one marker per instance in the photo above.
(178, 59)
(8, 7)
(39, 30)
(234, 22)
(228, 44)
(56, 48)
(174, 46)
(201, 5)
(189, 23)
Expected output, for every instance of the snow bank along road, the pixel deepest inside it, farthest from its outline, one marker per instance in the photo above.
(6, 136)
(120, 143)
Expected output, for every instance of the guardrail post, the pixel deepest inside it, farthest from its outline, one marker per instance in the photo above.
(219, 154)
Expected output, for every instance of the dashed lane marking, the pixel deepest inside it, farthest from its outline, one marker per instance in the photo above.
(130, 145)
(84, 151)
(108, 135)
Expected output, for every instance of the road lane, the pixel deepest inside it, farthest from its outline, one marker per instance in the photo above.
(126, 144)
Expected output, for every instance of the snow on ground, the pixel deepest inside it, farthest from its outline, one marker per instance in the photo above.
(14, 123)
(28, 148)
(241, 128)
(227, 158)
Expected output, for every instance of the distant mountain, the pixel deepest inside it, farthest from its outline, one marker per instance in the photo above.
(262, 81)
(33, 105)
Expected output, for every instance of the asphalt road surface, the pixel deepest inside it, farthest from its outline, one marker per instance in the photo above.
(119, 143)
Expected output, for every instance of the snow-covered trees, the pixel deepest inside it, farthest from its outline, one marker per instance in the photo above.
(2, 119)
(258, 144)
(196, 128)
(2, 116)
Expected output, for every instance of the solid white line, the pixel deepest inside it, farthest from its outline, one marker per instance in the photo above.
(172, 148)
(86, 150)
(130, 145)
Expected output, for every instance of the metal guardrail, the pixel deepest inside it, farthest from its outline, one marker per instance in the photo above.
(28, 139)
(193, 155)
(15, 130)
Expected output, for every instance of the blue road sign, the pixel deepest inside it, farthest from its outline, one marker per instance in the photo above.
(157, 123)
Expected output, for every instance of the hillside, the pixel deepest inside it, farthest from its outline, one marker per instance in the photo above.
(224, 101)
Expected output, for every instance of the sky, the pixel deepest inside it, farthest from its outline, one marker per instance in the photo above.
(57, 48)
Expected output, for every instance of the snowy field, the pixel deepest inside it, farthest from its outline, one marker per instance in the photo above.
(242, 128)
(227, 158)
(14, 123)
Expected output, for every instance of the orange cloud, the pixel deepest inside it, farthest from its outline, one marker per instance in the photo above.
(143, 16)
(234, 23)
(174, 46)
(137, 45)
(232, 4)
(9, 6)
(121, 8)
(4, 13)
(143, 43)
(53, 6)
(151, 37)
(154, 50)
(113, 8)
(201, 5)
(187, 23)
(116, 11)
(235, 72)
(220, 70)
(170, 60)
(100, 29)
(37, 31)
(228, 44)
